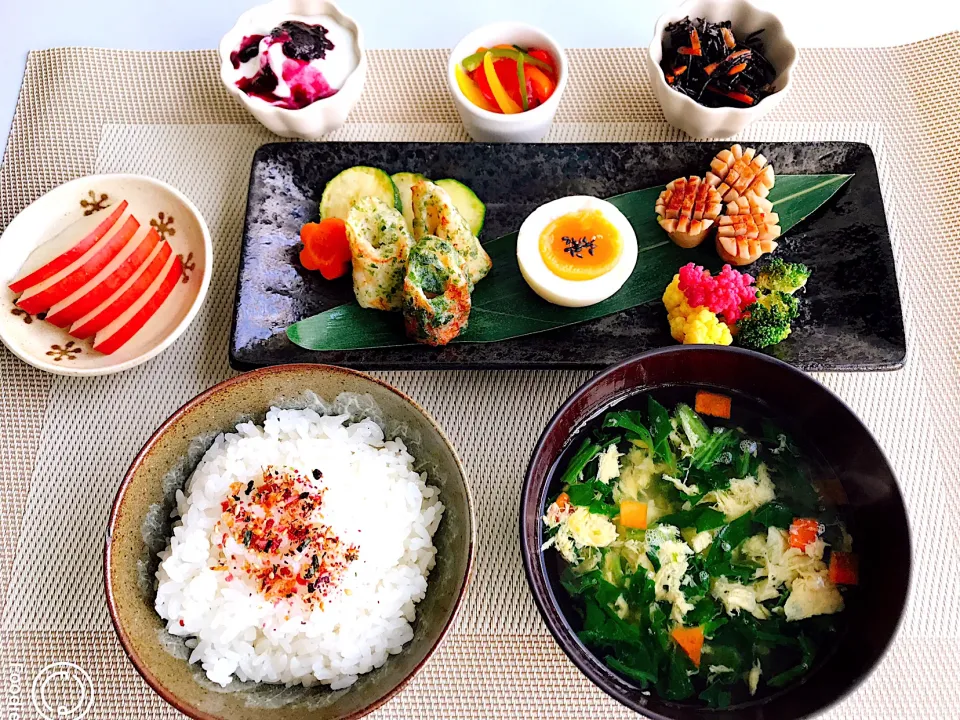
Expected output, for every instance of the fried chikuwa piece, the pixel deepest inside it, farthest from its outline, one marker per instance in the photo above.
(687, 210)
(435, 214)
(747, 230)
(379, 244)
(736, 172)
(436, 292)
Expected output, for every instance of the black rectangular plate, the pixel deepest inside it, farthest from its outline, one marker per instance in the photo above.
(851, 315)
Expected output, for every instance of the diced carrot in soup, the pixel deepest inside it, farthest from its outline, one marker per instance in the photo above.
(844, 568)
(633, 514)
(803, 531)
(690, 640)
(708, 403)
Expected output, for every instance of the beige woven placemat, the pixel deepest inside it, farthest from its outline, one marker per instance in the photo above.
(64, 443)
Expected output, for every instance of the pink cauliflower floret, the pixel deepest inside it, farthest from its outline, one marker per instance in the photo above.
(727, 294)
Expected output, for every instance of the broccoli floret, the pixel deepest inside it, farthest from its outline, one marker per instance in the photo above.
(781, 302)
(779, 276)
(765, 325)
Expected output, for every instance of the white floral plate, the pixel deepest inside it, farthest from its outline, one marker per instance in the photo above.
(152, 202)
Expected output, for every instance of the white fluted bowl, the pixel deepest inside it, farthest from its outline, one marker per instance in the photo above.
(318, 118)
(703, 122)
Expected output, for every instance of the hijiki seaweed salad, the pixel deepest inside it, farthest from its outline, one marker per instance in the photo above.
(706, 561)
(708, 63)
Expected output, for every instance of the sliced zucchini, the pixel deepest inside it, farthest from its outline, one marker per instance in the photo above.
(466, 202)
(353, 184)
(403, 182)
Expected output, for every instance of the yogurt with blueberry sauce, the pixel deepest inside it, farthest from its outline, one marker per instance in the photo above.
(300, 61)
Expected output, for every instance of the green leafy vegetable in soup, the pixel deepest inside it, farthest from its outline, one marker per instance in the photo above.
(705, 562)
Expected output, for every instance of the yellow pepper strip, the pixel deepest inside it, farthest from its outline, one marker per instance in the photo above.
(471, 90)
(505, 102)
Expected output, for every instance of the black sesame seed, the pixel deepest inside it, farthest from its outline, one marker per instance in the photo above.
(317, 474)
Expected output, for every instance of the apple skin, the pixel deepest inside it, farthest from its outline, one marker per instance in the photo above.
(114, 342)
(119, 306)
(45, 299)
(67, 257)
(62, 317)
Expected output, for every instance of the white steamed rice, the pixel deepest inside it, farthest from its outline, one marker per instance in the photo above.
(373, 499)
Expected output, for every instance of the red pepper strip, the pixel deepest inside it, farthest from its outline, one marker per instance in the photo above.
(728, 38)
(737, 68)
(543, 56)
(480, 78)
(507, 73)
(541, 83)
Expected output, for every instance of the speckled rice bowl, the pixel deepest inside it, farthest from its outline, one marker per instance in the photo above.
(300, 550)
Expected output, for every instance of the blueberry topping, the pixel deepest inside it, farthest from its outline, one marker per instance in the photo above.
(262, 84)
(248, 50)
(302, 42)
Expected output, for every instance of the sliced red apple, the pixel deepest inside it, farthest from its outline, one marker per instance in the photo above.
(128, 293)
(40, 297)
(62, 250)
(107, 281)
(119, 332)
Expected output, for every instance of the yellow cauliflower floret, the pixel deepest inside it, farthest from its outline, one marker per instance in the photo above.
(692, 326)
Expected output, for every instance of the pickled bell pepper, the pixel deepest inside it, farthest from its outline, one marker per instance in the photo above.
(472, 62)
(505, 102)
(544, 57)
(471, 90)
(540, 83)
(326, 248)
(522, 82)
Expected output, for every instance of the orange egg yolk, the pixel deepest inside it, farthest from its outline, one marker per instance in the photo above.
(580, 245)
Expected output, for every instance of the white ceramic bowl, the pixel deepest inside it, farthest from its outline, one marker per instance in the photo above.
(702, 122)
(486, 126)
(319, 118)
(153, 203)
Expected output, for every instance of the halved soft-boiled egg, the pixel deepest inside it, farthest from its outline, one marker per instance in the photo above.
(576, 251)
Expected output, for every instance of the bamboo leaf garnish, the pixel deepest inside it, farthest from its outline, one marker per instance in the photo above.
(505, 307)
